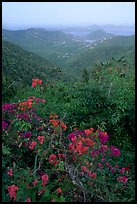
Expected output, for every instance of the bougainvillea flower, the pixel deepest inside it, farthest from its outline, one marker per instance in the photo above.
(35, 182)
(52, 159)
(94, 175)
(44, 179)
(11, 190)
(103, 136)
(28, 200)
(71, 135)
(4, 125)
(32, 145)
(55, 123)
(59, 190)
(41, 139)
(88, 131)
(10, 172)
(115, 151)
(83, 168)
(26, 135)
(122, 170)
(122, 179)
(35, 82)
(63, 125)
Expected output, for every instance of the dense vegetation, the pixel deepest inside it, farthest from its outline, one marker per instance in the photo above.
(75, 138)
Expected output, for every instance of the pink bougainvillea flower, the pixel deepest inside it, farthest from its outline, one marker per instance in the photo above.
(122, 170)
(83, 168)
(116, 166)
(35, 182)
(32, 145)
(115, 151)
(28, 200)
(63, 125)
(4, 125)
(42, 191)
(59, 190)
(112, 170)
(93, 175)
(99, 165)
(11, 190)
(103, 159)
(41, 139)
(127, 168)
(44, 179)
(103, 136)
(10, 172)
(122, 179)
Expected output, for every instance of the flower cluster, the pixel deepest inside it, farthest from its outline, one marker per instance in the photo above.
(10, 172)
(12, 191)
(115, 151)
(8, 107)
(37, 99)
(35, 82)
(44, 179)
(122, 179)
(103, 136)
(32, 145)
(26, 135)
(41, 139)
(53, 159)
(56, 123)
(25, 105)
(4, 125)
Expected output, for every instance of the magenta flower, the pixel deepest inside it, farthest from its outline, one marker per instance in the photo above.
(122, 170)
(44, 179)
(103, 137)
(122, 179)
(115, 151)
(4, 125)
(26, 135)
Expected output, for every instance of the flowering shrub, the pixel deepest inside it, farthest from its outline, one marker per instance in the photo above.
(42, 162)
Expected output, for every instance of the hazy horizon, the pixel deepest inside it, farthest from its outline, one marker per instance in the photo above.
(24, 15)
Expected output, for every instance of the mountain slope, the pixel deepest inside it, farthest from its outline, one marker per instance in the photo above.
(98, 35)
(21, 66)
(55, 46)
(115, 47)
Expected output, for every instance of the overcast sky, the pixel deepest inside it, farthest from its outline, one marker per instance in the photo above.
(17, 14)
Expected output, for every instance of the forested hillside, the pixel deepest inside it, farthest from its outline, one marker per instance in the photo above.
(20, 66)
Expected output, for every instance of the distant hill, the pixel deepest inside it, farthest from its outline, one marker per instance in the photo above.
(21, 66)
(123, 41)
(55, 46)
(98, 35)
(115, 47)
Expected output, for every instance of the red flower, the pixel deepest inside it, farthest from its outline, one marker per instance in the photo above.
(35, 182)
(36, 81)
(28, 200)
(11, 190)
(41, 139)
(59, 190)
(10, 172)
(122, 179)
(83, 168)
(122, 170)
(89, 131)
(52, 159)
(44, 179)
(63, 125)
(93, 175)
(42, 191)
(32, 145)
(55, 123)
